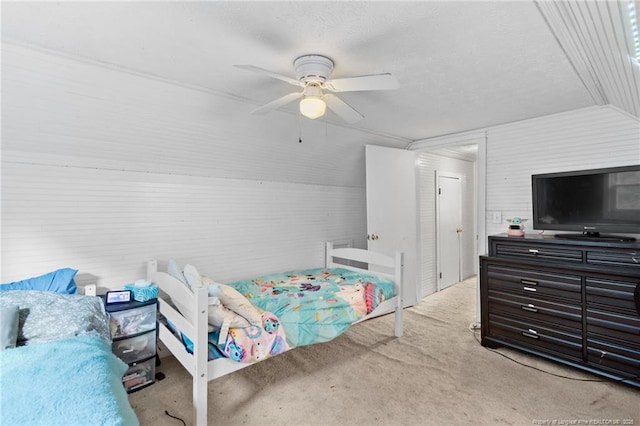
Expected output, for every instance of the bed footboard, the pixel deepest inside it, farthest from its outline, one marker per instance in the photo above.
(390, 267)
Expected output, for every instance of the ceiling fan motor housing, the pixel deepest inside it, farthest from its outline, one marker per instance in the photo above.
(313, 68)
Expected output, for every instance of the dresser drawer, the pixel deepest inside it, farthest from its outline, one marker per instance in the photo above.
(615, 294)
(537, 252)
(614, 326)
(614, 358)
(135, 348)
(546, 339)
(522, 281)
(620, 257)
(555, 314)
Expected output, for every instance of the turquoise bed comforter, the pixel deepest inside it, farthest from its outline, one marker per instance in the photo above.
(71, 381)
(316, 305)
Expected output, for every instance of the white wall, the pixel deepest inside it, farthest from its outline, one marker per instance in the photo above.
(582, 139)
(587, 138)
(103, 169)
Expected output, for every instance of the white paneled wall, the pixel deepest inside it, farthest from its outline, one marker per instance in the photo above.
(103, 170)
(583, 139)
(96, 116)
(107, 223)
(588, 138)
(427, 166)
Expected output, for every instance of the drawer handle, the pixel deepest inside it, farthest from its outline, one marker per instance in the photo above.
(126, 351)
(528, 282)
(533, 251)
(530, 308)
(529, 289)
(531, 334)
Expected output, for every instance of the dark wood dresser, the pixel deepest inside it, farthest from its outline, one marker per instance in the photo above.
(572, 301)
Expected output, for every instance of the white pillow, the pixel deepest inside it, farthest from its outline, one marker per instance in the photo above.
(193, 276)
(236, 302)
(180, 292)
(175, 270)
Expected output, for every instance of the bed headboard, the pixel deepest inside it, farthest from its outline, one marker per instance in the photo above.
(178, 292)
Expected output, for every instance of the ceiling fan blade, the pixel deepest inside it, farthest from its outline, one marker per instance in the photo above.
(344, 110)
(277, 103)
(365, 82)
(270, 74)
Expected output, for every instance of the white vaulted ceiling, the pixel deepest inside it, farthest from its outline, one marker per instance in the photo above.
(460, 65)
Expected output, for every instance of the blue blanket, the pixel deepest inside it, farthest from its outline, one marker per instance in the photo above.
(71, 381)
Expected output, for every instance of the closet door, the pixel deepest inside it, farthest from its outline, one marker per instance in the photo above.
(392, 212)
(448, 228)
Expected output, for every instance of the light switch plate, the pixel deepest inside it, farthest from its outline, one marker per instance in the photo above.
(90, 290)
(497, 217)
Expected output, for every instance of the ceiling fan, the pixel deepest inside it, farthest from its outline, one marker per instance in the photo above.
(312, 73)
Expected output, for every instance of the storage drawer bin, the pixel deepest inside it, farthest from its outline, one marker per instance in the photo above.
(139, 375)
(133, 321)
(135, 348)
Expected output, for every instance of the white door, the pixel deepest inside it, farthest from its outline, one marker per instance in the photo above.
(448, 228)
(392, 220)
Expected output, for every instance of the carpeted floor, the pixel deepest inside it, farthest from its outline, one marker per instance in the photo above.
(436, 374)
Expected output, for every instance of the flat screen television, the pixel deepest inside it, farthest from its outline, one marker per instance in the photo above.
(592, 202)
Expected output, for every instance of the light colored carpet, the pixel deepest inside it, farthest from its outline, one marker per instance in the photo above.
(436, 374)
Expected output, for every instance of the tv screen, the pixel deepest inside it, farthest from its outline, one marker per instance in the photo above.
(589, 201)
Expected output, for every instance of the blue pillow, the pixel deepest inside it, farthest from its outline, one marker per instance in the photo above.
(60, 281)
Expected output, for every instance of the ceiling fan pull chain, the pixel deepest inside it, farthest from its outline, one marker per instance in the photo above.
(299, 127)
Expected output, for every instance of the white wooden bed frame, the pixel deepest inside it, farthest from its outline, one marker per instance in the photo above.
(197, 364)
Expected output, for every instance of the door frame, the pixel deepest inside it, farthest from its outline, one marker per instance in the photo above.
(438, 203)
(479, 138)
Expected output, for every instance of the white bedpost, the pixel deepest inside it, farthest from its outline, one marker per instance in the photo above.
(327, 254)
(201, 355)
(399, 278)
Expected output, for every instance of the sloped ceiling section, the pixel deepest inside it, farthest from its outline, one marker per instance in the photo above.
(462, 65)
(597, 37)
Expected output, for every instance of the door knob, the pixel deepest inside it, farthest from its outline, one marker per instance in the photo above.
(373, 237)
(459, 230)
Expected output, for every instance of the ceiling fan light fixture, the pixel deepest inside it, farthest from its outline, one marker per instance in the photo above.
(312, 107)
(313, 75)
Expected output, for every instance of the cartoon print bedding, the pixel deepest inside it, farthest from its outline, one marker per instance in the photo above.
(316, 305)
(298, 308)
(248, 344)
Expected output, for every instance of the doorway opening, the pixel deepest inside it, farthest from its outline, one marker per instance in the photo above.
(447, 153)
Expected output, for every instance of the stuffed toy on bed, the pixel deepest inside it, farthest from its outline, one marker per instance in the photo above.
(226, 305)
(254, 343)
(237, 328)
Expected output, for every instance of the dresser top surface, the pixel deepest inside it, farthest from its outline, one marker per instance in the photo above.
(559, 239)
